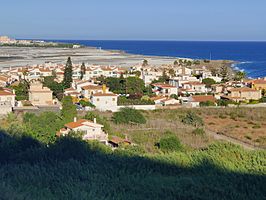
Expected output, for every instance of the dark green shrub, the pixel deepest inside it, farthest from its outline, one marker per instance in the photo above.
(170, 143)
(129, 115)
(193, 119)
(222, 102)
(262, 100)
(206, 103)
(86, 103)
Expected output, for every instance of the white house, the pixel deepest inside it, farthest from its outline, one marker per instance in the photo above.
(164, 89)
(89, 90)
(105, 101)
(90, 130)
(7, 101)
(194, 87)
(195, 100)
(179, 80)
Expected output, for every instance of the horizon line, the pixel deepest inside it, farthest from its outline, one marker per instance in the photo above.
(148, 40)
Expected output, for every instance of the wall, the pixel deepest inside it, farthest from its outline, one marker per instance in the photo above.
(139, 107)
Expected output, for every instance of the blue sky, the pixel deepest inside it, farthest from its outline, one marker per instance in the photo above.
(134, 19)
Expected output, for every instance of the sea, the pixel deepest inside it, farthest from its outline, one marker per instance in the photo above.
(248, 56)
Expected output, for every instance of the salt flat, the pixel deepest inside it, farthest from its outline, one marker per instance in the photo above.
(22, 56)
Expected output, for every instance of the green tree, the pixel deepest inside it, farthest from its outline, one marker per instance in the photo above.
(240, 75)
(134, 85)
(69, 110)
(145, 63)
(22, 90)
(57, 88)
(224, 73)
(43, 127)
(208, 82)
(129, 115)
(68, 74)
(171, 72)
(82, 70)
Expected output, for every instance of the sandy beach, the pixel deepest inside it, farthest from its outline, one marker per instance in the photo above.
(22, 56)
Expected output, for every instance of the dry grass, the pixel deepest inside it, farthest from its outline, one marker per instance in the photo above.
(158, 122)
(246, 124)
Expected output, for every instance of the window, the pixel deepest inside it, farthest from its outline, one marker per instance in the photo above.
(113, 99)
(98, 99)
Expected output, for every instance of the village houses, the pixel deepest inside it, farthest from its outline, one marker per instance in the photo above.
(89, 130)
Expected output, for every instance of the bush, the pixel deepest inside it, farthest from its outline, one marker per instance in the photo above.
(129, 115)
(252, 101)
(199, 131)
(193, 119)
(262, 100)
(170, 143)
(207, 103)
(208, 82)
(222, 102)
(86, 103)
(174, 96)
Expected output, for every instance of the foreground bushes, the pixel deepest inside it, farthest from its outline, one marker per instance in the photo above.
(73, 169)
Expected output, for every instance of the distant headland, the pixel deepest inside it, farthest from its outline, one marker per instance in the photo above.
(7, 41)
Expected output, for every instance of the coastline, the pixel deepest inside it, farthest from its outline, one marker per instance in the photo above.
(23, 56)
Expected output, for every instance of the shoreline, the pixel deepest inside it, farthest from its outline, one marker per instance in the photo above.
(23, 56)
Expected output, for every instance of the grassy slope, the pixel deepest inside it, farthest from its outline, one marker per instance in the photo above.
(72, 169)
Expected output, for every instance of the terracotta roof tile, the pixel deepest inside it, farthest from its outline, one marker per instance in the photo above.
(203, 98)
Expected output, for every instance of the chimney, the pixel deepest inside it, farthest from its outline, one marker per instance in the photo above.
(75, 119)
(104, 88)
(94, 120)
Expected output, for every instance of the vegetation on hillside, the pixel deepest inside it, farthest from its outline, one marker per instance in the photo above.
(164, 162)
(74, 169)
(129, 116)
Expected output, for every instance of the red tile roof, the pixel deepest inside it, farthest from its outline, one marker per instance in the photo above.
(76, 124)
(163, 85)
(194, 83)
(244, 89)
(104, 94)
(92, 87)
(203, 98)
(259, 81)
(6, 93)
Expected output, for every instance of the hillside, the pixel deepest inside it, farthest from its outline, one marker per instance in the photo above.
(73, 169)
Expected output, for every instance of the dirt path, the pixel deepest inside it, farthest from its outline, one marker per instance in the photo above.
(232, 140)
